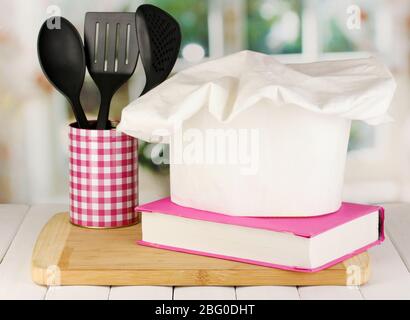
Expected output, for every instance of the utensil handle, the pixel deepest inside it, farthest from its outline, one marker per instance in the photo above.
(79, 114)
(104, 111)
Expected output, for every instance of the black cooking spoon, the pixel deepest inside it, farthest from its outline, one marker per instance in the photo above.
(159, 40)
(61, 54)
(112, 52)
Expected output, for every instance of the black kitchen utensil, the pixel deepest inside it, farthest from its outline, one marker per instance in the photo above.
(61, 54)
(159, 39)
(111, 53)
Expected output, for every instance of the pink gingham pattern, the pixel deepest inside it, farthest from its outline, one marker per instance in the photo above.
(103, 178)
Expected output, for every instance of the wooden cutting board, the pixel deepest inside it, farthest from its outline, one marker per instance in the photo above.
(68, 255)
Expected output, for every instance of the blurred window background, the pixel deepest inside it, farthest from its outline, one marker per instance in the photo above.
(274, 26)
(34, 117)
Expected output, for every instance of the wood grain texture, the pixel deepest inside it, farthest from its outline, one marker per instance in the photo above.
(389, 277)
(69, 255)
(48, 250)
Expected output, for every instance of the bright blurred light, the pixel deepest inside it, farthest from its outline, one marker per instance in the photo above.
(285, 31)
(270, 8)
(267, 10)
(193, 52)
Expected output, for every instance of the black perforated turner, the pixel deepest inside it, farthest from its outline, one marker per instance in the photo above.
(111, 49)
(159, 39)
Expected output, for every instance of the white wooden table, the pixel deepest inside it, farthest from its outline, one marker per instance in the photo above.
(20, 225)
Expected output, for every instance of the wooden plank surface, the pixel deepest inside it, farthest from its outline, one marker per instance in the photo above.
(267, 293)
(398, 228)
(69, 255)
(330, 293)
(11, 217)
(15, 270)
(141, 293)
(204, 293)
(390, 277)
(78, 293)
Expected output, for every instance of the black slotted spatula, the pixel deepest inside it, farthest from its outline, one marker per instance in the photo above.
(111, 48)
(159, 40)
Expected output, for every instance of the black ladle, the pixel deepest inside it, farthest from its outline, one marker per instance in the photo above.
(159, 39)
(61, 54)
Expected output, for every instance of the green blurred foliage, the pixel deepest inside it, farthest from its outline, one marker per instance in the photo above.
(146, 156)
(337, 41)
(361, 136)
(258, 27)
(192, 16)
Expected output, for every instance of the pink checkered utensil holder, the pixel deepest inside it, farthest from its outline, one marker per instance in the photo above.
(103, 178)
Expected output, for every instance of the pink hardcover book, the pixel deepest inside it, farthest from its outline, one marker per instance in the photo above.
(306, 244)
